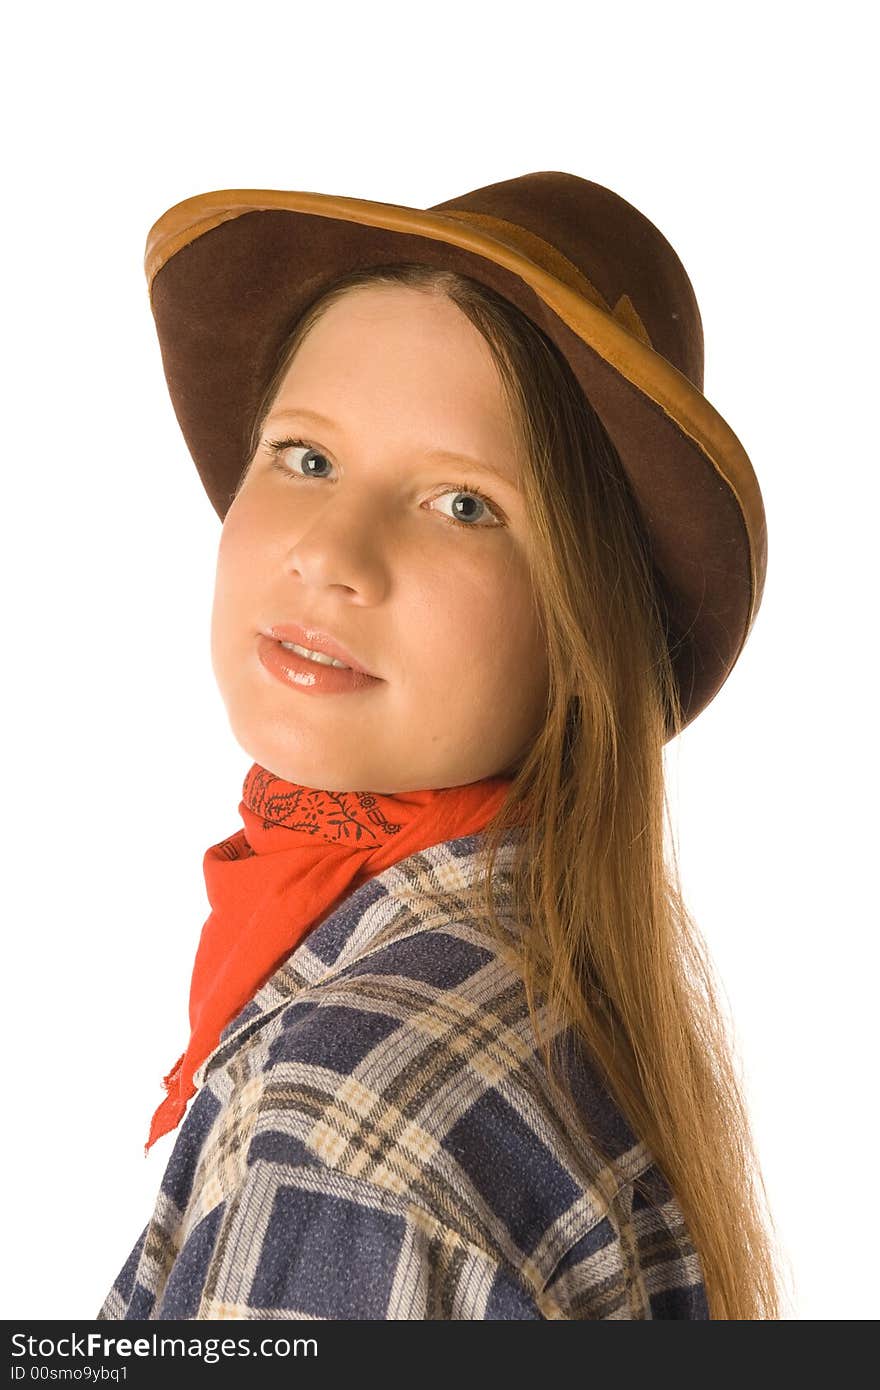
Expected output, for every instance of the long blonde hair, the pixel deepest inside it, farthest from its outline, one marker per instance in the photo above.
(608, 947)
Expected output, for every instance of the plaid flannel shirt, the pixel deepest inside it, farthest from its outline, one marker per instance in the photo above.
(373, 1138)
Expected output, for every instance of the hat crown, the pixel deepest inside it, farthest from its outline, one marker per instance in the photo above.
(603, 247)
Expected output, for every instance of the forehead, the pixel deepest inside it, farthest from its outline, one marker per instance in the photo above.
(409, 364)
(370, 326)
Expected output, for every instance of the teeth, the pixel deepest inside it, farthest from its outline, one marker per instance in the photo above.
(315, 656)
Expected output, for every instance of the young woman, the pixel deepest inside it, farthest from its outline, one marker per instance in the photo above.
(455, 1046)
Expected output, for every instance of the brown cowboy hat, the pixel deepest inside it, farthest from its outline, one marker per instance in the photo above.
(230, 272)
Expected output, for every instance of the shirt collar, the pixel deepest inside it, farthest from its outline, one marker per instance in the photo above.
(382, 910)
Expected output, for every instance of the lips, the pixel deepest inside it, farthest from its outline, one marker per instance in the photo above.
(316, 642)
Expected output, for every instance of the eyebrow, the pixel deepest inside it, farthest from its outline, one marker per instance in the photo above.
(444, 455)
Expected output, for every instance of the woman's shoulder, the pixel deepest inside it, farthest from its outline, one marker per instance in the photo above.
(413, 1067)
(383, 1093)
(406, 1122)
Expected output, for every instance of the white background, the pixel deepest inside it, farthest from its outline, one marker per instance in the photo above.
(744, 133)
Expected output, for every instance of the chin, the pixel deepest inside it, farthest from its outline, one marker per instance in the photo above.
(304, 772)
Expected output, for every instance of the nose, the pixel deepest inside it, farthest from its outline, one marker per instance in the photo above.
(342, 545)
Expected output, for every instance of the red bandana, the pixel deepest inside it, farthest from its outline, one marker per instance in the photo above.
(300, 853)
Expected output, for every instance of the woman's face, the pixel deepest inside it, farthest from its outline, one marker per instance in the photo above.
(354, 532)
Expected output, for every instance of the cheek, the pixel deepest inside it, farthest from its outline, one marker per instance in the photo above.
(518, 666)
(235, 551)
(479, 635)
(234, 526)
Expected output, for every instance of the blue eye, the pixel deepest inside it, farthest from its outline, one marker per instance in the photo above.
(277, 447)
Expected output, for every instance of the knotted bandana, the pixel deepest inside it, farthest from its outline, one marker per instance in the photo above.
(300, 853)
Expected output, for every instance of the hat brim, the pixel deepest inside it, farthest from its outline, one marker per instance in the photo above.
(231, 271)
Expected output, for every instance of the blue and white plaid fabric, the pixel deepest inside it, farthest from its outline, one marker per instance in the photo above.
(374, 1138)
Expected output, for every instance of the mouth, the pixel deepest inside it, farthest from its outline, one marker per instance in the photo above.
(318, 657)
(316, 646)
(311, 675)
